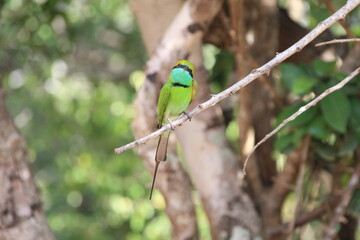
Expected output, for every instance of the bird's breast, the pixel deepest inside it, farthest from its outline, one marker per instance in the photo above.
(180, 98)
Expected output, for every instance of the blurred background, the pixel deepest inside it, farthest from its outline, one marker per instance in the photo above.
(70, 70)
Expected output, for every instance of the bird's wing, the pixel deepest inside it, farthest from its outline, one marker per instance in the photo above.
(162, 103)
(194, 89)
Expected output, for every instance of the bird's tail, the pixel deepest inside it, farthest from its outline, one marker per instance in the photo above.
(162, 147)
(160, 155)
(153, 182)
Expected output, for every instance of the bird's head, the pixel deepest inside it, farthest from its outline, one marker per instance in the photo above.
(186, 65)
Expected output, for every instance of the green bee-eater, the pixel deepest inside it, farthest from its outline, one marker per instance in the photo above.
(175, 97)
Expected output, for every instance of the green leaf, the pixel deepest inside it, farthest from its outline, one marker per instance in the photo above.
(336, 109)
(317, 14)
(285, 113)
(322, 68)
(283, 142)
(222, 69)
(302, 119)
(303, 84)
(297, 80)
(325, 151)
(349, 145)
(338, 76)
(288, 72)
(318, 128)
(298, 136)
(355, 118)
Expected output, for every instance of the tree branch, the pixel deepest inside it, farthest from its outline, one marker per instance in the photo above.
(302, 110)
(265, 69)
(338, 41)
(331, 8)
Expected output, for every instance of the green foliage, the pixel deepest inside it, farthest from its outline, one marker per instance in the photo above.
(355, 117)
(297, 80)
(336, 110)
(333, 123)
(318, 129)
(349, 145)
(354, 206)
(304, 118)
(318, 12)
(221, 70)
(323, 69)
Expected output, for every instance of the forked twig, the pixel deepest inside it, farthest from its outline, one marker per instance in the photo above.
(338, 41)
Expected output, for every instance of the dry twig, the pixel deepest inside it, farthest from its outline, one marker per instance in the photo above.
(338, 41)
(331, 8)
(265, 69)
(299, 184)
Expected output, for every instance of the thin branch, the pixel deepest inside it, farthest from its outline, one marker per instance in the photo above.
(338, 41)
(331, 8)
(305, 217)
(344, 202)
(265, 69)
(316, 213)
(301, 110)
(299, 184)
(283, 184)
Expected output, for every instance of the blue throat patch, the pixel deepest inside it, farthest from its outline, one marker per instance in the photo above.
(181, 77)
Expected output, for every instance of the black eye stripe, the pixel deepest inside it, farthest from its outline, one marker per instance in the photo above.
(186, 68)
(180, 85)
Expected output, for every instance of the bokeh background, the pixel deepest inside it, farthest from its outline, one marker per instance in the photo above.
(71, 70)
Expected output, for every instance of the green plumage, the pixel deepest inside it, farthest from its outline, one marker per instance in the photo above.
(175, 96)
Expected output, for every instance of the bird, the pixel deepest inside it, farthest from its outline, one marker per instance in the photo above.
(175, 97)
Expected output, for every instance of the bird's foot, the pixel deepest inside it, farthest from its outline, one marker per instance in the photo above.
(171, 124)
(188, 116)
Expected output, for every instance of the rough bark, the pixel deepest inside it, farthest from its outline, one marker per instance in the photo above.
(21, 212)
(256, 108)
(171, 180)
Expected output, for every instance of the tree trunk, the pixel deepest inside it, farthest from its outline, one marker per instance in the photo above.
(172, 180)
(21, 213)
